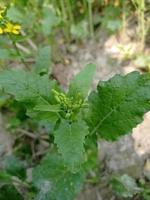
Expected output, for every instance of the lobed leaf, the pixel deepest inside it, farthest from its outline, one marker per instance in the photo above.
(26, 86)
(34, 90)
(54, 181)
(119, 104)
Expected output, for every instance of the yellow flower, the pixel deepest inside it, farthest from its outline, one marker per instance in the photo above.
(11, 28)
(1, 30)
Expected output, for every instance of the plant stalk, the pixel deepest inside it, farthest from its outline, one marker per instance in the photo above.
(20, 55)
(91, 27)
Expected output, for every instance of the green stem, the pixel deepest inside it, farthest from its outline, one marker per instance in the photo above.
(70, 12)
(90, 19)
(124, 16)
(85, 5)
(19, 54)
(63, 10)
(142, 16)
(64, 15)
(140, 7)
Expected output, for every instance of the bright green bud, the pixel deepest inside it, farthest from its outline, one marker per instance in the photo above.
(68, 115)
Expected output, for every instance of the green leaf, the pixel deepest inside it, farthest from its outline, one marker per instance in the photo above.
(14, 166)
(54, 181)
(119, 104)
(8, 54)
(111, 18)
(50, 117)
(70, 140)
(43, 110)
(9, 192)
(80, 30)
(3, 99)
(26, 86)
(81, 83)
(124, 186)
(50, 20)
(4, 54)
(43, 60)
(114, 25)
(47, 108)
(4, 177)
(14, 14)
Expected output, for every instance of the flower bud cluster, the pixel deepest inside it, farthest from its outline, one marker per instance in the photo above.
(70, 106)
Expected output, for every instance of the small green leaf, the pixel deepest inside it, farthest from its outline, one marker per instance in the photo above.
(54, 181)
(14, 14)
(4, 54)
(50, 20)
(50, 117)
(119, 104)
(124, 186)
(114, 25)
(14, 167)
(43, 60)
(111, 18)
(80, 30)
(4, 177)
(9, 192)
(43, 110)
(45, 106)
(70, 140)
(81, 83)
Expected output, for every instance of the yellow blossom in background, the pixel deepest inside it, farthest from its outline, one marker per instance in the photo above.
(6, 26)
(1, 30)
(2, 12)
(11, 28)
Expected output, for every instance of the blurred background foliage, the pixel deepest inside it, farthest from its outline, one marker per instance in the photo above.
(55, 22)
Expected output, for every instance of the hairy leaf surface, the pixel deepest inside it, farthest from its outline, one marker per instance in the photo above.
(33, 89)
(70, 140)
(118, 105)
(26, 86)
(54, 181)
